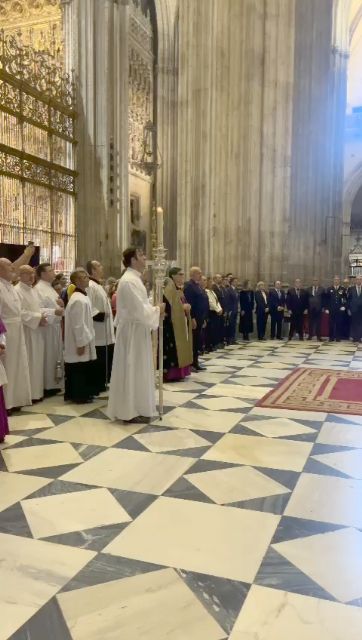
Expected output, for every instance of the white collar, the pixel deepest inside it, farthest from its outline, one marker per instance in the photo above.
(134, 272)
(6, 283)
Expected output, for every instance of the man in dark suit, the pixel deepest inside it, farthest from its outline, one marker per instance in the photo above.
(316, 296)
(220, 294)
(195, 296)
(336, 303)
(354, 305)
(234, 305)
(261, 309)
(276, 304)
(297, 304)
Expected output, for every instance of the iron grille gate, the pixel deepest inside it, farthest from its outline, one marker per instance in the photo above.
(37, 152)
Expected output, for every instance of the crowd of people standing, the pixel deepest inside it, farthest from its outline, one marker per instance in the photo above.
(80, 335)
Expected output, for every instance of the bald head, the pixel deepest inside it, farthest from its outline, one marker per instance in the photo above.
(6, 270)
(195, 274)
(27, 275)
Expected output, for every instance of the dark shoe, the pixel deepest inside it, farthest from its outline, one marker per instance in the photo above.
(198, 368)
(83, 401)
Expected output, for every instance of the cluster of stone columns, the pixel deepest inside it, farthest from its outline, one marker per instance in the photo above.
(260, 147)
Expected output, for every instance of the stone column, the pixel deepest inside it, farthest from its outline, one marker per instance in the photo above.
(275, 173)
(101, 65)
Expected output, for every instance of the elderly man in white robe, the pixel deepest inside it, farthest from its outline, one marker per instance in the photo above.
(53, 308)
(79, 343)
(132, 390)
(102, 323)
(17, 391)
(33, 319)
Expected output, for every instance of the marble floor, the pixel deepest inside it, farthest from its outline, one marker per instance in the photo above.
(222, 521)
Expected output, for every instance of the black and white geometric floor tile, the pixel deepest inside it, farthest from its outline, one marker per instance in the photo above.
(223, 520)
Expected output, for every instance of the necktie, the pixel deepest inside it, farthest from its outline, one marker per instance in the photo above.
(358, 291)
(313, 291)
(298, 293)
(278, 292)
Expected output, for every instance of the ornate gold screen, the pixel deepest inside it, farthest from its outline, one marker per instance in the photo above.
(37, 152)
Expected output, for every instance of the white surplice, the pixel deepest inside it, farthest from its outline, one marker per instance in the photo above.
(79, 331)
(132, 388)
(100, 302)
(18, 391)
(34, 339)
(3, 376)
(53, 345)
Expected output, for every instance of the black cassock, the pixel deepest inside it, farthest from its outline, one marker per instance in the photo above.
(247, 305)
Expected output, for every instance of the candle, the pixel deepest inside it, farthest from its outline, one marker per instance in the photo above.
(159, 227)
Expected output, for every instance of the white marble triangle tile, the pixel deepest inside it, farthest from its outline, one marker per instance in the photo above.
(211, 378)
(39, 457)
(215, 540)
(217, 404)
(327, 499)
(332, 559)
(271, 412)
(348, 462)
(277, 427)
(171, 440)
(264, 372)
(202, 420)
(155, 606)
(273, 614)
(10, 440)
(225, 486)
(15, 487)
(186, 385)
(29, 421)
(74, 511)
(250, 380)
(56, 406)
(237, 391)
(336, 433)
(33, 572)
(177, 398)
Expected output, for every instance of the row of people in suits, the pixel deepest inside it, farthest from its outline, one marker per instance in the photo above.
(342, 305)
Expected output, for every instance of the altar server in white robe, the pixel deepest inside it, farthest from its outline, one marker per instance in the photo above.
(17, 391)
(132, 389)
(53, 308)
(33, 319)
(102, 323)
(79, 343)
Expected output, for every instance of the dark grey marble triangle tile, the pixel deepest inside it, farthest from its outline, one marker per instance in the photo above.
(185, 490)
(95, 539)
(58, 420)
(95, 413)
(222, 598)
(269, 504)
(13, 521)
(278, 573)
(87, 451)
(211, 465)
(3, 466)
(32, 442)
(244, 431)
(292, 528)
(355, 603)
(320, 449)
(287, 478)
(133, 502)
(47, 624)
(105, 568)
(131, 444)
(51, 472)
(301, 437)
(243, 411)
(342, 420)
(153, 429)
(58, 487)
(195, 452)
(211, 436)
(314, 466)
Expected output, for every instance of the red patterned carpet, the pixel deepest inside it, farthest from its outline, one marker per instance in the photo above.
(317, 390)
